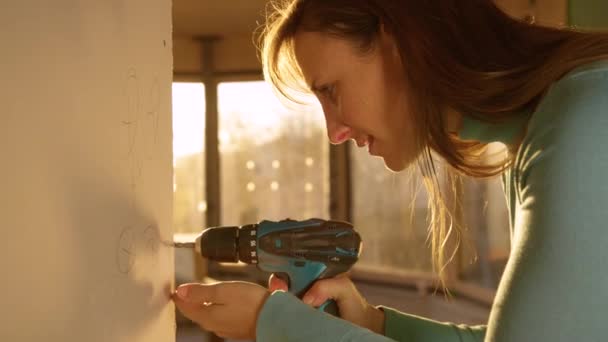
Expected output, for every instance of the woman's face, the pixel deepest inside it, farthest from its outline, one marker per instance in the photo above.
(363, 96)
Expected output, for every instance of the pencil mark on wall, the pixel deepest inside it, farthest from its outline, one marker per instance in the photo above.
(139, 122)
(139, 247)
(151, 238)
(126, 250)
(130, 119)
(152, 118)
(139, 244)
(130, 127)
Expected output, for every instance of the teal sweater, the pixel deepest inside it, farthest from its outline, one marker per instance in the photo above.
(554, 286)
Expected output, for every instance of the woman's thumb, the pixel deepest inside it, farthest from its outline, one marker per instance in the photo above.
(276, 283)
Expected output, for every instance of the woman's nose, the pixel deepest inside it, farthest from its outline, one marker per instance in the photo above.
(338, 133)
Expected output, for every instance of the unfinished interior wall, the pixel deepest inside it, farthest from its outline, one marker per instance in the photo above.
(86, 175)
(231, 53)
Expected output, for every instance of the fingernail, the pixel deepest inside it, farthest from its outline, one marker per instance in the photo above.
(308, 300)
(182, 292)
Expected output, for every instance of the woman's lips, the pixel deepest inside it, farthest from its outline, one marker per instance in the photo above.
(370, 146)
(369, 142)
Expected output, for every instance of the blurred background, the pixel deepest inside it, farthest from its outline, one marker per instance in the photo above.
(240, 156)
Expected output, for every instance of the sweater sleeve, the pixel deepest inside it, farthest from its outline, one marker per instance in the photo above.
(405, 327)
(284, 318)
(554, 285)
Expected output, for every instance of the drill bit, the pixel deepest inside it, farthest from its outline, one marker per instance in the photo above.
(184, 244)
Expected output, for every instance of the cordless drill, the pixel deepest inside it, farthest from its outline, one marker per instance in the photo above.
(298, 252)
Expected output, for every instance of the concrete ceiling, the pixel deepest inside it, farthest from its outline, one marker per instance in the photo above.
(241, 17)
(217, 17)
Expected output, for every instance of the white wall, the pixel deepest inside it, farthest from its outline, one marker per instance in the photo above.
(86, 176)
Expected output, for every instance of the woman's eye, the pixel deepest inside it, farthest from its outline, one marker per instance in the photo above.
(329, 91)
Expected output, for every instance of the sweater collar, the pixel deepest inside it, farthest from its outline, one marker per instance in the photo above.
(506, 132)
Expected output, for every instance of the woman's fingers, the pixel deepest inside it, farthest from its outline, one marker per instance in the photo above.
(207, 316)
(276, 283)
(332, 288)
(337, 288)
(230, 308)
(198, 293)
(198, 302)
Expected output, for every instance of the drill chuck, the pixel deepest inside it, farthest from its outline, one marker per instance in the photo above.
(219, 244)
(229, 244)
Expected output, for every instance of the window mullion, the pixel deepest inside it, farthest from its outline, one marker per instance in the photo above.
(340, 182)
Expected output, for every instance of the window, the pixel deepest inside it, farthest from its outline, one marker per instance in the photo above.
(275, 164)
(390, 212)
(274, 161)
(189, 204)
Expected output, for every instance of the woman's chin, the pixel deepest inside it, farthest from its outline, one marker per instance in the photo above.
(394, 164)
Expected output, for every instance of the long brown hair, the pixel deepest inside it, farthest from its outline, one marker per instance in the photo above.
(462, 55)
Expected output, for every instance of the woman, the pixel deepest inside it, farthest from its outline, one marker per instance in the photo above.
(450, 76)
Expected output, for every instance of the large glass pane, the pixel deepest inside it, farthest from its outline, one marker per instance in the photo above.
(390, 212)
(274, 160)
(189, 205)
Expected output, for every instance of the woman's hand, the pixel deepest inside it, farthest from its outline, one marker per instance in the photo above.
(228, 309)
(353, 307)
